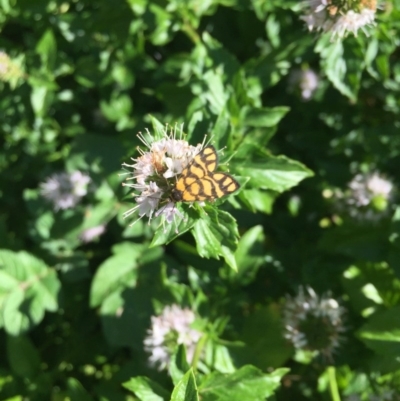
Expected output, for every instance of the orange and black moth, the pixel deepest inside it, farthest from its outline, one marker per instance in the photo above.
(199, 182)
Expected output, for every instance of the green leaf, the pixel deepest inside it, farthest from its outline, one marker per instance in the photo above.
(28, 287)
(41, 99)
(168, 232)
(263, 117)
(343, 63)
(382, 332)
(47, 49)
(146, 390)
(250, 254)
(22, 356)
(215, 96)
(216, 235)
(119, 107)
(278, 173)
(158, 132)
(116, 272)
(257, 200)
(186, 389)
(161, 33)
(247, 383)
(218, 357)
(75, 391)
(178, 365)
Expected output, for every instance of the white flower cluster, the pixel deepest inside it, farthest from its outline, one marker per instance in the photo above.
(367, 196)
(313, 323)
(65, 190)
(339, 17)
(365, 188)
(306, 81)
(154, 173)
(167, 331)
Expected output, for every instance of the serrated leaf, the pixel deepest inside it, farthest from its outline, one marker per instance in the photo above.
(247, 383)
(186, 389)
(277, 173)
(342, 64)
(184, 222)
(216, 235)
(146, 390)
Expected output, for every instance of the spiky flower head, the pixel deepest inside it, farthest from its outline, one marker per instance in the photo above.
(313, 322)
(65, 190)
(153, 174)
(168, 330)
(367, 197)
(339, 17)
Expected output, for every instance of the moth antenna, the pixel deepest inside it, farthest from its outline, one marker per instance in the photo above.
(207, 142)
(204, 143)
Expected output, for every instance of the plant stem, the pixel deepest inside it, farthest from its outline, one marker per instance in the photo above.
(333, 384)
(197, 352)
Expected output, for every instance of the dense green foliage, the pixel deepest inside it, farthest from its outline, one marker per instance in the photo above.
(84, 78)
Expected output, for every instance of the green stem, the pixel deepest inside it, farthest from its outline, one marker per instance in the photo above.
(191, 33)
(333, 384)
(197, 352)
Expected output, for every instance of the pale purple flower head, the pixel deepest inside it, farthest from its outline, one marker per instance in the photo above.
(168, 330)
(65, 190)
(339, 17)
(368, 196)
(154, 173)
(305, 81)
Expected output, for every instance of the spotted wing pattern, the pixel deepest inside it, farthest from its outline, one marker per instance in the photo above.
(198, 182)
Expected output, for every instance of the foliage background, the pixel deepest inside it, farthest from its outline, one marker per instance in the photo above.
(74, 314)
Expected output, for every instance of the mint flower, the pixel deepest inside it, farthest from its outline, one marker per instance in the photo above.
(167, 331)
(304, 81)
(367, 197)
(155, 171)
(339, 17)
(313, 323)
(65, 190)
